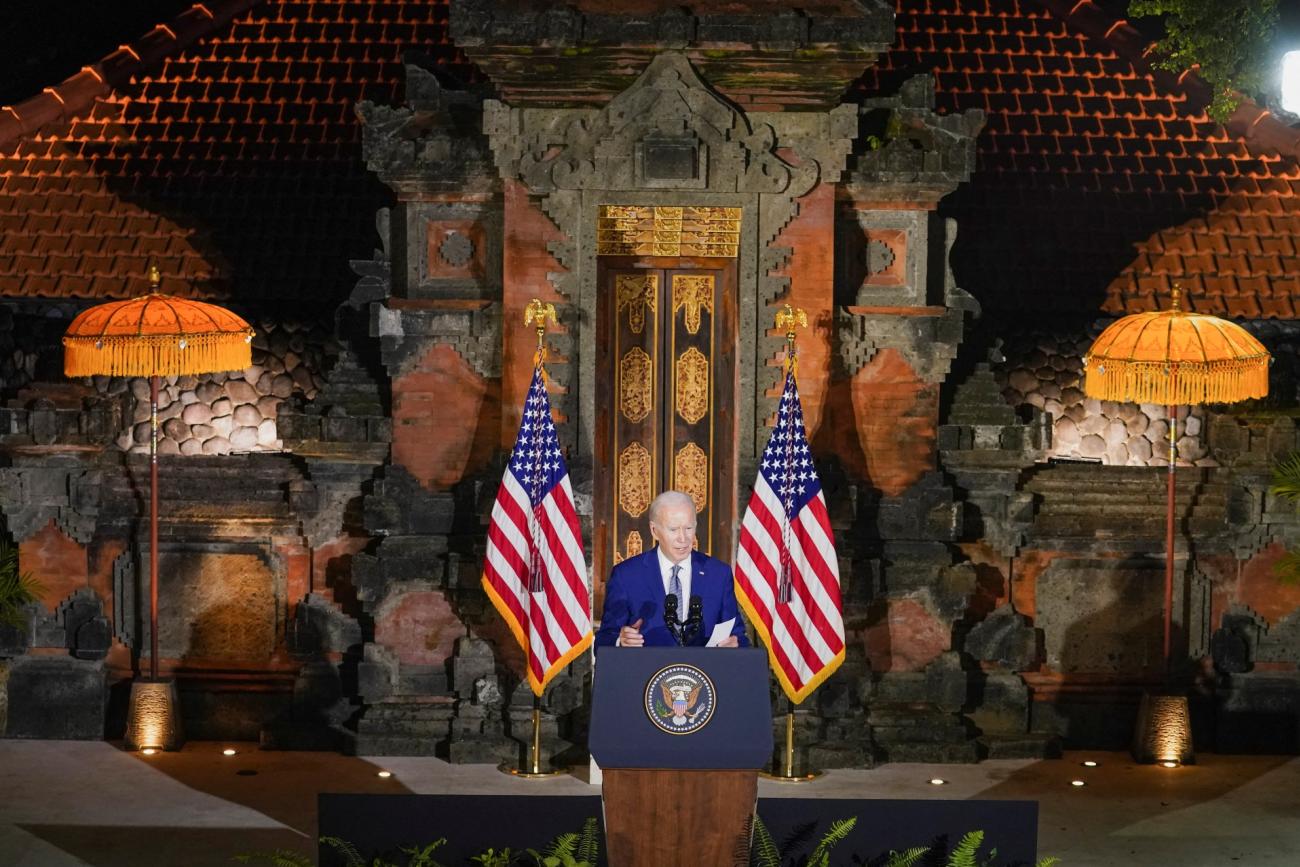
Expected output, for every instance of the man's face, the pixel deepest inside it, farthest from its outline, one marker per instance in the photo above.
(674, 528)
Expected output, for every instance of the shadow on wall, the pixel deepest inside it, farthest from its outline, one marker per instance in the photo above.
(1102, 621)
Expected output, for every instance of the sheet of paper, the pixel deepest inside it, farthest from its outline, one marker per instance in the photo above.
(720, 632)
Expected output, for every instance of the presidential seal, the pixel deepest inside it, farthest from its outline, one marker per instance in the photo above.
(679, 699)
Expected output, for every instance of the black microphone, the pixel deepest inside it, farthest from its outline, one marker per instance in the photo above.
(670, 617)
(694, 620)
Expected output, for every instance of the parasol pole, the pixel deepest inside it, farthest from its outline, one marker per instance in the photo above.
(153, 527)
(1175, 305)
(1169, 537)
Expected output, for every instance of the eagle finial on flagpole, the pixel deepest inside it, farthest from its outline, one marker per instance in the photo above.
(538, 314)
(787, 319)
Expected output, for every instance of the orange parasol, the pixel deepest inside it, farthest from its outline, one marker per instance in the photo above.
(155, 335)
(1172, 357)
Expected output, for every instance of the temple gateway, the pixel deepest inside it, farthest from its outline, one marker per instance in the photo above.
(382, 190)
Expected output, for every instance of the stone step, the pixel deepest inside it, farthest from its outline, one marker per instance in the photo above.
(1022, 746)
(967, 753)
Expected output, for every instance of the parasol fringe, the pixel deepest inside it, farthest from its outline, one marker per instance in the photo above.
(1167, 384)
(156, 354)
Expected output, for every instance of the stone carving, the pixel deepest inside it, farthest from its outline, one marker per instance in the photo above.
(456, 249)
(635, 386)
(431, 144)
(633, 230)
(590, 149)
(694, 292)
(637, 293)
(406, 334)
(912, 153)
(929, 342)
(635, 482)
(880, 256)
(692, 385)
(39, 490)
(691, 474)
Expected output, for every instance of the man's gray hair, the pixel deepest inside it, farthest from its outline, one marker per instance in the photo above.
(667, 500)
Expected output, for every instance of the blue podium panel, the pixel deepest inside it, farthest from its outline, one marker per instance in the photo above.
(681, 707)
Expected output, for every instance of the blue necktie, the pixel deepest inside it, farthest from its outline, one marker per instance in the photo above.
(675, 588)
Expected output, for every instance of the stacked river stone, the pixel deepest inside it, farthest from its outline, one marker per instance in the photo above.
(1046, 371)
(219, 413)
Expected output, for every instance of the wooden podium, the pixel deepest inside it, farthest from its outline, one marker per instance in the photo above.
(680, 734)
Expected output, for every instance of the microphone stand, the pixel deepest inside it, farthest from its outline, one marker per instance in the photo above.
(670, 618)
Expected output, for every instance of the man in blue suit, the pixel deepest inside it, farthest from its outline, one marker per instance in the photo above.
(637, 588)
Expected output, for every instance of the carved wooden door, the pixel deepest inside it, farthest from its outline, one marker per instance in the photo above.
(665, 401)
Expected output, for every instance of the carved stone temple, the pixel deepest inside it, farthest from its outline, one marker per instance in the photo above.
(669, 177)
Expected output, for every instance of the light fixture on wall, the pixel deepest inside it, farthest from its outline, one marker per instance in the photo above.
(1291, 82)
(154, 717)
(1164, 731)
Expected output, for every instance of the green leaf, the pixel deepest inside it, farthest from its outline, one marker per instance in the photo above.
(964, 854)
(589, 844)
(346, 849)
(423, 857)
(840, 829)
(1049, 861)
(1229, 44)
(16, 588)
(1286, 479)
(908, 857)
(764, 852)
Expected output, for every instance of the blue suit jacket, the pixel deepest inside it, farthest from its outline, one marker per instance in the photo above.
(636, 590)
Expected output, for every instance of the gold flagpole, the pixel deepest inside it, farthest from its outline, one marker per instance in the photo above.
(789, 318)
(537, 314)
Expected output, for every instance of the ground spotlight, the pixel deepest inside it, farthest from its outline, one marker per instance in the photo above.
(227, 752)
(938, 782)
(1077, 783)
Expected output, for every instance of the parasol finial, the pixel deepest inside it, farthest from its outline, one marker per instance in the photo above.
(1176, 299)
(155, 279)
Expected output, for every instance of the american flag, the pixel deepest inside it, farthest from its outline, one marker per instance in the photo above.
(787, 574)
(534, 571)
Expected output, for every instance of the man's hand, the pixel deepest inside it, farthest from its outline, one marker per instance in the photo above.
(729, 641)
(630, 636)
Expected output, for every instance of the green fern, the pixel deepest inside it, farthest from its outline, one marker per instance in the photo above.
(349, 852)
(964, 854)
(1050, 861)
(764, 852)
(589, 842)
(563, 846)
(493, 858)
(1286, 486)
(1286, 478)
(16, 588)
(908, 857)
(276, 858)
(840, 828)
(423, 857)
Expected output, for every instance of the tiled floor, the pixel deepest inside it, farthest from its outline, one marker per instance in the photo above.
(75, 803)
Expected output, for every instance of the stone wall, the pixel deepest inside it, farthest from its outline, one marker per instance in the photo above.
(219, 413)
(1044, 369)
